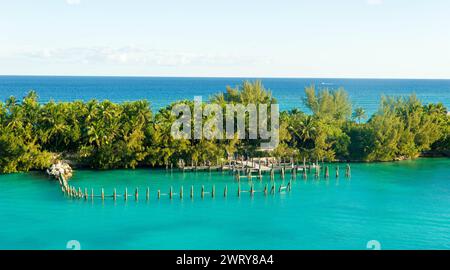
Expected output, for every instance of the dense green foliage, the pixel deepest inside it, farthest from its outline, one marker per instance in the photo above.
(109, 135)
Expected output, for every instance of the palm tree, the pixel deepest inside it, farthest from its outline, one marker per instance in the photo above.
(359, 114)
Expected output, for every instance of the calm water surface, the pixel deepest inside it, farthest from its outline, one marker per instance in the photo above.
(403, 205)
(162, 91)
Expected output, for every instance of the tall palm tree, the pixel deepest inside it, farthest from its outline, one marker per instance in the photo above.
(359, 114)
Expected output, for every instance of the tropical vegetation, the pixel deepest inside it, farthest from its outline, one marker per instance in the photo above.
(107, 135)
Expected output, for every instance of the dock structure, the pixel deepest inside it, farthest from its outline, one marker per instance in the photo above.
(241, 168)
(272, 171)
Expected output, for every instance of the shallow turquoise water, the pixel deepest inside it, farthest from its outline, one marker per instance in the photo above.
(403, 205)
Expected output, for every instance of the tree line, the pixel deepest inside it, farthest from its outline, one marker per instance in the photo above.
(107, 135)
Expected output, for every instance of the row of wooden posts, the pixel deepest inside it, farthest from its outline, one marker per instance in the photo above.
(73, 192)
(249, 175)
(233, 164)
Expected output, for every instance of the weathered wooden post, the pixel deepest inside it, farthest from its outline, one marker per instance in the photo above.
(272, 173)
(213, 191)
(316, 173)
(86, 194)
(192, 191)
(181, 192)
(170, 192)
(289, 186)
(337, 171)
(92, 194)
(327, 172)
(203, 192)
(80, 193)
(239, 191)
(147, 194)
(114, 194)
(265, 190)
(159, 193)
(272, 190)
(125, 195)
(103, 194)
(225, 191)
(282, 172)
(347, 171)
(136, 194)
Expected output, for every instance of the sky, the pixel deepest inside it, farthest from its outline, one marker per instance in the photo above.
(226, 38)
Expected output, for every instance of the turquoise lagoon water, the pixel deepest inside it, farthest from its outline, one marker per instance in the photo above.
(403, 205)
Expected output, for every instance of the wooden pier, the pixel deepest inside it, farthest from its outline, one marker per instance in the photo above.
(74, 193)
(240, 170)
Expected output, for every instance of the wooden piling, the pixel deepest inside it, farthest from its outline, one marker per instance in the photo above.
(327, 172)
(203, 192)
(147, 194)
(115, 194)
(239, 191)
(159, 193)
(251, 190)
(136, 194)
(348, 171)
(92, 194)
(181, 192)
(125, 196)
(171, 193)
(103, 194)
(265, 190)
(213, 191)
(86, 194)
(272, 190)
(192, 192)
(337, 171)
(225, 191)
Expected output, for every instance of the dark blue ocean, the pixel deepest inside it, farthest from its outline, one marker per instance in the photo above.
(161, 91)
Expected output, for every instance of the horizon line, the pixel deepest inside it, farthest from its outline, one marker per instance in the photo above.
(225, 77)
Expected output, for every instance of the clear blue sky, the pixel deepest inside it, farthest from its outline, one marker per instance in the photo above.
(250, 38)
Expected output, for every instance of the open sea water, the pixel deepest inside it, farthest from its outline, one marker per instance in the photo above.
(161, 91)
